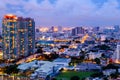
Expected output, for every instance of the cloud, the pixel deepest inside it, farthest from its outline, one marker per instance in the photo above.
(108, 8)
(109, 13)
(65, 12)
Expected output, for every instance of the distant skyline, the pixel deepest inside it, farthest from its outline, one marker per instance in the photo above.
(65, 12)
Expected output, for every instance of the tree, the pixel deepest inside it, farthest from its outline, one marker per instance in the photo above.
(54, 55)
(103, 55)
(11, 69)
(97, 74)
(39, 50)
(97, 60)
(53, 79)
(64, 46)
(82, 55)
(48, 77)
(111, 66)
(105, 78)
(83, 78)
(75, 78)
(115, 75)
(103, 47)
(107, 41)
(2, 61)
(82, 52)
(51, 56)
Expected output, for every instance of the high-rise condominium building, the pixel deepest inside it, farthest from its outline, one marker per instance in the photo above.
(78, 30)
(18, 36)
(117, 55)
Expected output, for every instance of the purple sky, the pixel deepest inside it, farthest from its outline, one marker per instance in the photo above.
(65, 12)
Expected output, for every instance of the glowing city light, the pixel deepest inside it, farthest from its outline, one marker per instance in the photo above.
(84, 38)
(10, 16)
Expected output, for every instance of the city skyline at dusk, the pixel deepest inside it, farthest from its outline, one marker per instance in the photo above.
(65, 12)
(59, 40)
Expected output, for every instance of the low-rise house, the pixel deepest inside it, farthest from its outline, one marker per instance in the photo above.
(69, 68)
(109, 71)
(46, 69)
(119, 70)
(62, 61)
(93, 55)
(26, 66)
(87, 66)
(72, 52)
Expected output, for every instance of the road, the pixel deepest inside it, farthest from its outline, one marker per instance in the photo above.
(28, 59)
(8, 77)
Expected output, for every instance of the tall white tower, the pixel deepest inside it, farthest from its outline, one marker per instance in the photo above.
(117, 56)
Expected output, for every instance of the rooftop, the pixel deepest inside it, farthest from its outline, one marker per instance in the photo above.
(61, 60)
(10, 16)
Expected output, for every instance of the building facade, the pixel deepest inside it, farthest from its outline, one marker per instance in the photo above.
(31, 34)
(77, 30)
(18, 36)
(117, 55)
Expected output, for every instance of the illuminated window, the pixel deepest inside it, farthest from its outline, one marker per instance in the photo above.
(30, 24)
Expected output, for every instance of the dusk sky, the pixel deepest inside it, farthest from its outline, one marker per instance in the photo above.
(65, 12)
